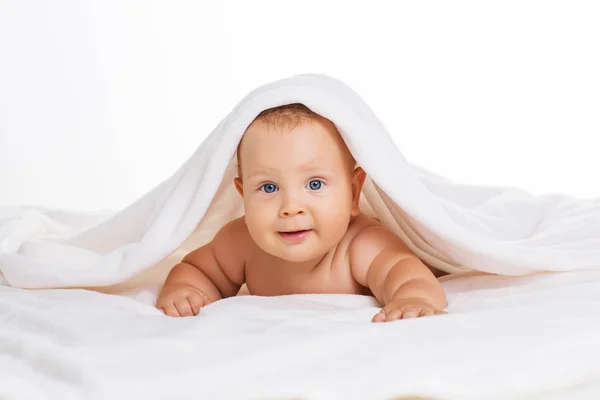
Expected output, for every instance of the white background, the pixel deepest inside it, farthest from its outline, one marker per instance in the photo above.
(102, 100)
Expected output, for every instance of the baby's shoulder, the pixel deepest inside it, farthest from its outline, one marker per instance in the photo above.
(370, 236)
(236, 226)
(360, 223)
(233, 235)
(357, 225)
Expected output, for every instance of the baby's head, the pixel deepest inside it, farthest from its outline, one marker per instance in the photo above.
(296, 174)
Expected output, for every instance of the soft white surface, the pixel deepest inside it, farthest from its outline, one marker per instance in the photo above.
(451, 226)
(505, 337)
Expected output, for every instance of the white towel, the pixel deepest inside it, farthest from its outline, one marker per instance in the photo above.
(528, 337)
(452, 227)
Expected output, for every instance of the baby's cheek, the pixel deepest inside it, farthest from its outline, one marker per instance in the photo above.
(260, 222)
(334, 224)
(259, 212)
(337, 209)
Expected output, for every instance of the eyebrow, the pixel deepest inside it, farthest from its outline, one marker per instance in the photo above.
(259, 171)
(306, 167)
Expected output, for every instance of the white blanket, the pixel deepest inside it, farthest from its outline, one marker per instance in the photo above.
(534, 337)
(450, 226)
(504, 335)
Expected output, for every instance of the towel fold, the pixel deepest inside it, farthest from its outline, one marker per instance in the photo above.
(452, 227)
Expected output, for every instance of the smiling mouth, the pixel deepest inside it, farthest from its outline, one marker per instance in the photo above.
(295, 236)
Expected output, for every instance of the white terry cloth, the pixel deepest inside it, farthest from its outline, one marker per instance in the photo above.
(450, 226)
(526, 337)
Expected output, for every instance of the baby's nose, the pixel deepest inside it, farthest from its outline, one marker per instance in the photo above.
(292, 208)
(291, 212)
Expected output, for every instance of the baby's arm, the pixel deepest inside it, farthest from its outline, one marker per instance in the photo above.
(400, 281)
(209, 273)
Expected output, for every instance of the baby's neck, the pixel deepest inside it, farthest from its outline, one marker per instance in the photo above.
(303, 267)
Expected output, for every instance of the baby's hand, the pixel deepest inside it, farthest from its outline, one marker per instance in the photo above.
(406, 308)
(181, 300)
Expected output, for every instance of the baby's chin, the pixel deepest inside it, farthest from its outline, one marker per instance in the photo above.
(303, 252)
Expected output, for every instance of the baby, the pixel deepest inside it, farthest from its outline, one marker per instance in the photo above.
(302, 231)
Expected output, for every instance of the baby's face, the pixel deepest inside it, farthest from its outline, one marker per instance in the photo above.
(299, 189)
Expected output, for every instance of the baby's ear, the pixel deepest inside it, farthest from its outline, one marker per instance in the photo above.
(358, 180)
(237, 181)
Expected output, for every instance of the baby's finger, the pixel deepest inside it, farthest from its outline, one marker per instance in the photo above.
(379, 317)
(170, 310)
(426, 312)
(196, 302)
(183, 307)
(410, 313)
(440, 312)
(393, 314)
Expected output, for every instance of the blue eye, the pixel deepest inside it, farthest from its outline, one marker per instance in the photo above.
(315, 184)
(268, 188)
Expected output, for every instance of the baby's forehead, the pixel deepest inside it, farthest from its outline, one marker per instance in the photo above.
(322, 137)
(264, 135)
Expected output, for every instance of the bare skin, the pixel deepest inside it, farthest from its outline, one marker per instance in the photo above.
(302, 233)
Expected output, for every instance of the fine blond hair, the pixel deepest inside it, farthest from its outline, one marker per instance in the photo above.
(285, 117)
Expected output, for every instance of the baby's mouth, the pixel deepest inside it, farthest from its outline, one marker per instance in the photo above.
(295, 236)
